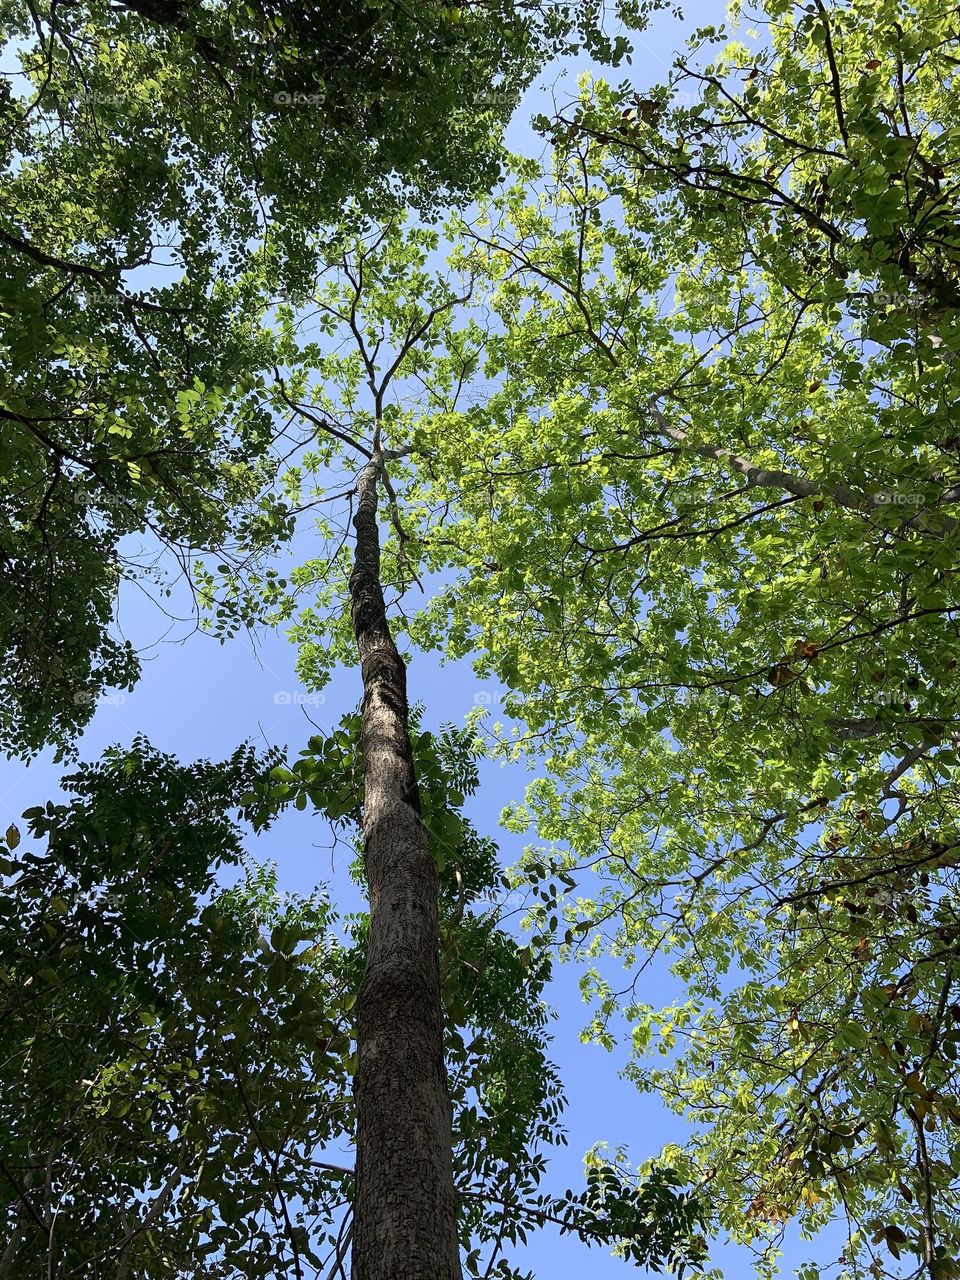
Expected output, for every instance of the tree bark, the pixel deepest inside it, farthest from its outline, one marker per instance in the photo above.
(405, 1213)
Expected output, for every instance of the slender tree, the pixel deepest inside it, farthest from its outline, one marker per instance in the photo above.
(405, 1207)
(405, 1210)
(387, 343)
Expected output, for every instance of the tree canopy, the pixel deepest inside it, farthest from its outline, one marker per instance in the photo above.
(664, 437)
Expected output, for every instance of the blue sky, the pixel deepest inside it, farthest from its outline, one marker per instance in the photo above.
(198, 698)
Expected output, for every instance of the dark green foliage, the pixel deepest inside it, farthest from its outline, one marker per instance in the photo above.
(173, 1054)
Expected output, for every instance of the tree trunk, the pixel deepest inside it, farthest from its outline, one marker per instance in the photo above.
(405, 1215)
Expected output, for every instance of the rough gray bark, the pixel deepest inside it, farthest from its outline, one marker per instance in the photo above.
(405, 1214)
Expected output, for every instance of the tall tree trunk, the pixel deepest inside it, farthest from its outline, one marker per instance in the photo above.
(405, 1216)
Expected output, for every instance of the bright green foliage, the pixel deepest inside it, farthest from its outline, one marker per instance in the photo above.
(702, 520)
(655, 1222)
(235, 119)
(381, 343)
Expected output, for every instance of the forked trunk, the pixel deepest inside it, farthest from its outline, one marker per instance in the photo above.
(405, 1216)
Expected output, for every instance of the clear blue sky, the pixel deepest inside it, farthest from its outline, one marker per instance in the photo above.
(198, 698)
